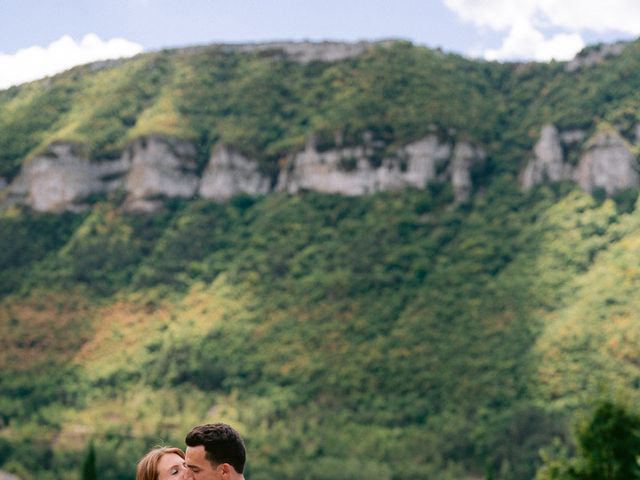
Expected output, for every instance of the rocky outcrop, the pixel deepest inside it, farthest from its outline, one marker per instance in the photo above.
(355, 171)
(60, 179)
(606, 161)
(419, 162)
(570, 137)
(346, 171)
(595, 56)
(230, 173)
(63, 178)
(548, 164)
(158, 168)
(155, 168)
(464, 155)
(8, 476)
(300, 52)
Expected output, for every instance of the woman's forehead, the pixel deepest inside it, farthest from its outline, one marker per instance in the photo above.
(169, 459)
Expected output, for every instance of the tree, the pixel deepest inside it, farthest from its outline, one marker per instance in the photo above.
(610, 444)
(89, 470)
(608, 448)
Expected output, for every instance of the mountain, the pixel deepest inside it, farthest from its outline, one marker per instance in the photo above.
(375, 259)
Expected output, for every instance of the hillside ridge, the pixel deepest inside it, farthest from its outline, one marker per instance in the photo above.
(401, 264)
(105, 111)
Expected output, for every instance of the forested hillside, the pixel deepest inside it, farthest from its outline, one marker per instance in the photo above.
(400, 334)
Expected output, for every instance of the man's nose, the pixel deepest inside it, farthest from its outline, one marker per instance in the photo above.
(187, 474)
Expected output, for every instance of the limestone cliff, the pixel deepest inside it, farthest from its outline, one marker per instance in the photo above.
(154, 168)
(63, 178)
(355, 171)
(230, 173)
(609, 163)
(159, 167)
(8, 476)
(464, 156)
(548, 163)
(605, 161)
(300, 52)
(595, 56)
(60, 179)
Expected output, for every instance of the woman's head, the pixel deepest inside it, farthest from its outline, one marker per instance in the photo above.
(164, 463)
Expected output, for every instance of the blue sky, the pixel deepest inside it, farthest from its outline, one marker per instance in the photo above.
(53, 33)
(168, 23)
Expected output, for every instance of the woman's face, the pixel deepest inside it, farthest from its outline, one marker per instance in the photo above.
(171, 467)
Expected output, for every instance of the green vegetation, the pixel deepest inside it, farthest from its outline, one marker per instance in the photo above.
(344, 336)
(391, 336)
(263, 105)
(609, 447)
(89, 471)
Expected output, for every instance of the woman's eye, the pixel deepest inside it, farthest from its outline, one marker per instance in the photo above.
(174, 471)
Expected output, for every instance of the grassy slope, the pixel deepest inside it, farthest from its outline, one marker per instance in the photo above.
(392, 336)
(359, 333)
(264, 105)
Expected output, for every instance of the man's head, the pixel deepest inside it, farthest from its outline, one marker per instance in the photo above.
(215, 451)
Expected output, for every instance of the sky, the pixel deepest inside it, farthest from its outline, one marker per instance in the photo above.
(43, 37)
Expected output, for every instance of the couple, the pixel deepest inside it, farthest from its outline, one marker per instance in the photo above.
(215, 451)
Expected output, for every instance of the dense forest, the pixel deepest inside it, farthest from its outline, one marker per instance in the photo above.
(395, 335)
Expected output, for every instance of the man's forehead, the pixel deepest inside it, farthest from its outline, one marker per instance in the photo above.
(195, 453)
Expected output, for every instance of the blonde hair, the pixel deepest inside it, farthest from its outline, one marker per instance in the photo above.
(147, 468)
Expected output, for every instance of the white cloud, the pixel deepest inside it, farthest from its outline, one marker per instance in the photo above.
(37, 62)
(495, 14)
(525, 42)
(598, 16)
(524, 20)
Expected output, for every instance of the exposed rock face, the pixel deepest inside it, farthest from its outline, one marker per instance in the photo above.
(423, 159)
(548, 164)
(345, 171)
(607, 161)
(7, 476)
(301, 52)
(230, 173)
(159, 167)
(595, 56)
(464, 154)
(60, 180)
(154, 168)
(572, 136)
(351, 171)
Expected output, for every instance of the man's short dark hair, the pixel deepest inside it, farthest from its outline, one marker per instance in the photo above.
(221, 443)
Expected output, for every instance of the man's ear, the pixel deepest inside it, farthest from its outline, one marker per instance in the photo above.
(226, 470)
